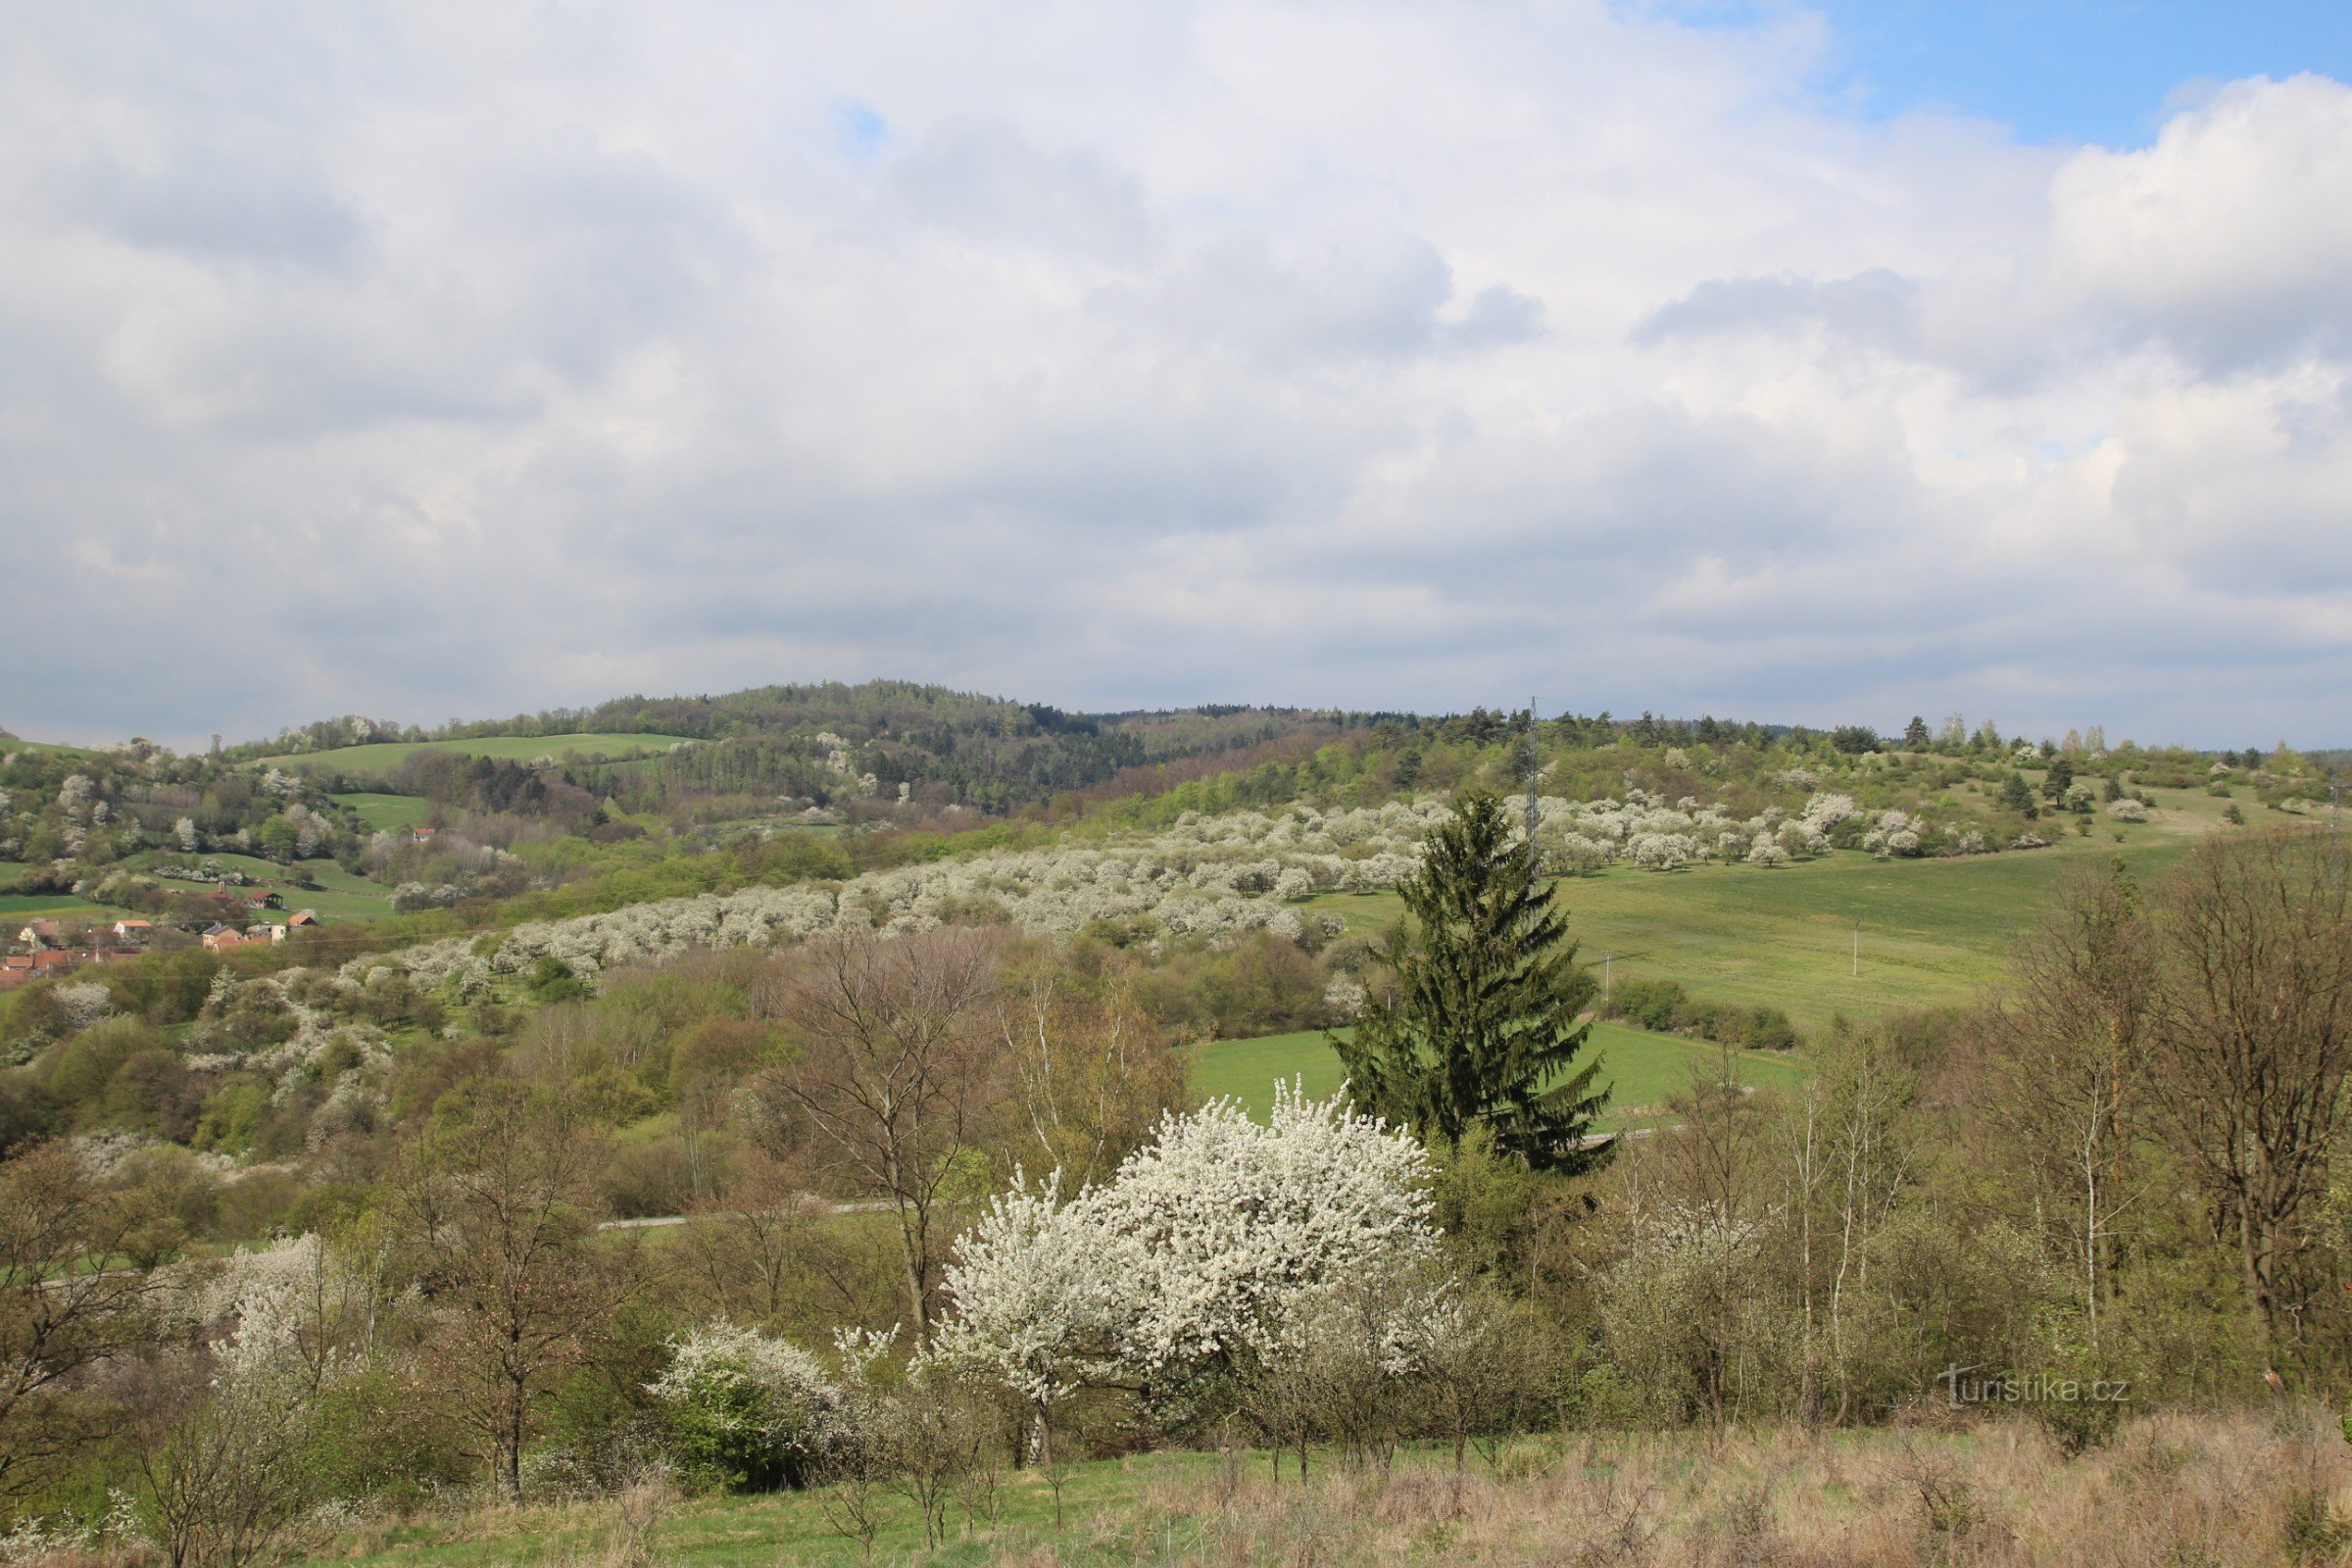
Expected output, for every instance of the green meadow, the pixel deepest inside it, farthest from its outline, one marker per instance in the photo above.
(383, 756)
(1843, 934)
(1641, 1069)
(49, 907)
(386, 814)
(339, 894)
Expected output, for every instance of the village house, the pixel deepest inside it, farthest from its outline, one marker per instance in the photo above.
(264, 899)
(134, 930)
(22, 968)
(222, 938)
(38, 934)
(302, 919)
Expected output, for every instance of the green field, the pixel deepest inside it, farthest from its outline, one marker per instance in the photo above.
(383, 756)
(51, 906)
(339, 896)
(386, 814)
(1640, 1068)
(1933, 932)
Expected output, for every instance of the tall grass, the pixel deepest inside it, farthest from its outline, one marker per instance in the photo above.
(2250, 1489)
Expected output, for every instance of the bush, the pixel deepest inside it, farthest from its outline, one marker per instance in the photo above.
(1663, 1007)
(748, 1412)
(1649, 1004)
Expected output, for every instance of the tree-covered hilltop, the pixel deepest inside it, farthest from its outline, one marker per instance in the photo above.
(901, 753)
(828, 743)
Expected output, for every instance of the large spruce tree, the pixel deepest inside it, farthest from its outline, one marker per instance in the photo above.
(1482, 1026)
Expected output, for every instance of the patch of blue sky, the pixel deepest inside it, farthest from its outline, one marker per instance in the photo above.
(2105, 71)
(859, 128)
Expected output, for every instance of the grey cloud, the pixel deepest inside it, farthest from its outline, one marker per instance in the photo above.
(1497, 316)
(507, 365)
(1878, 309)
(220, 205)
(983, 179)
(1374, 295)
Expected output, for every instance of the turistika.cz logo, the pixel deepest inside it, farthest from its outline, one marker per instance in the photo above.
(2029, 1387)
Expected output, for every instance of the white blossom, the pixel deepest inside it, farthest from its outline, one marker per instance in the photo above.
(1209, 1244)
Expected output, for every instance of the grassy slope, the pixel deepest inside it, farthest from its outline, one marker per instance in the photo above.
(382, 756)
(1933, 932)
(339, 896)
(1642, 1069)
(50, 907)
(387, 812)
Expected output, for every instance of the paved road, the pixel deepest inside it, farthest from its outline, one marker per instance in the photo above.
(857, 1205)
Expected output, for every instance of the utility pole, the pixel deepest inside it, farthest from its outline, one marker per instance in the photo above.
(1858, 950)
(1609, 966)
(1533, 767)
(2335, 822)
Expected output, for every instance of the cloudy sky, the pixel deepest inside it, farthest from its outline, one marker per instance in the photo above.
(1809, 364)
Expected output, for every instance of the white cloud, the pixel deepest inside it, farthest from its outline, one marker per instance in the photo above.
(2232, 236)
(453, 359)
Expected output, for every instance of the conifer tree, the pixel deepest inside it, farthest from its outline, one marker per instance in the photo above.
(1482, 1029)
(1914, 734)
(2017, 795)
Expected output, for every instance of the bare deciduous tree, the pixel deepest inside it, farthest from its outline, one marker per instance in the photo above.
(496, 1206)
(2070, 1066)
(899, 1076)
(65, 1303)
(1091, 1074)
(2254, 1042)
(762, 1252)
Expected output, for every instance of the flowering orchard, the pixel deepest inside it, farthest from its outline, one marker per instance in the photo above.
(1204, 876)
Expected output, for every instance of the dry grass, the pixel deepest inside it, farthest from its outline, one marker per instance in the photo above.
(2171, 1491)
(2177, 1490)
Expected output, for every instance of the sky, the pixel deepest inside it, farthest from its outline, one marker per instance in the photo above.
(1801, 362)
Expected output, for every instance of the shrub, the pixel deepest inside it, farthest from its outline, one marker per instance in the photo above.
(1663, 1007)
(1647, 1004)
(745, 1410)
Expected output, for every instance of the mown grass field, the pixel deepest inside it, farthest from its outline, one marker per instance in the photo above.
(386, 814)
(1643, 1069)
(383, 756)
(50, 907)
(1933, 932)
(339, 896)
